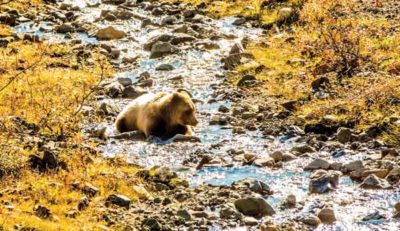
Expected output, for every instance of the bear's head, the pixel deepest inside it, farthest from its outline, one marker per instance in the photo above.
(181, 109)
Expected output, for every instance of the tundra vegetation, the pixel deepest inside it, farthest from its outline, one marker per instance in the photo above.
(338, 62)
(43, 87)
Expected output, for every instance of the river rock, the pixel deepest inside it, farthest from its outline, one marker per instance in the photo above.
(317, 164)
(120, 200)
(181, 38)
(397, 206)
(168, 20)
(254, 206)
(110, 33)
(155, 39)
(250, 221)
(290, 201)
(254, 185)
(184, 214)
(277, 156)
(352, 166)
(327, 215)
(239, 21)
(160, 49)
(165, 67)
(228, 212)
(311, 220)
(264, 162)
(394, 175)
(133, 92)
(344, 135)
(303, 148)
(323, 181)
(373, 216)
(374, 182)
(65, 28)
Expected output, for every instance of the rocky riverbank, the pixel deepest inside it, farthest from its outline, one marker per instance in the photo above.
(253, 166)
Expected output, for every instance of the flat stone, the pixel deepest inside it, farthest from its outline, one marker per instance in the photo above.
(254, 206)
(110, 33)
(317, 164)
(120, 200)
(374, 182)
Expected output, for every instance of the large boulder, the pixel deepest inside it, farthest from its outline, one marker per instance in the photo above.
(110, 33)
(254, 206)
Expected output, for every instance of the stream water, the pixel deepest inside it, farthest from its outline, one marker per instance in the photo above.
(201, 73)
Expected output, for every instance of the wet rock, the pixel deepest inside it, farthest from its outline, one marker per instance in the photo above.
(246, 80)
(397, 207)
(394, 175)
(184, 214)
(228, 212)
(239, 21)
(288, 157)
(169, 20)
(42, 211)
(264, 162)
(311, 220)
(303, 148)
(90, 190)
(165, 67)
(254, 206)
(254, 185)
(113, 90)
(250, 221)
(277, 156)
(181, 38)
(146, 22)
(352, 166)
(159, 38)
(223, 109)
(373, 216)
(110, 33)
(124, 81)
(317, 164)
(119, 200)
(151, 224)
(323, 181)
(374, 182)
(160, 49)
(327, 215)
(65, 28)
(344, 135)
(218, 120)
(290, 201)
(132, 92)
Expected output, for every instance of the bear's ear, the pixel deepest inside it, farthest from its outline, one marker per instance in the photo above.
(184, 91)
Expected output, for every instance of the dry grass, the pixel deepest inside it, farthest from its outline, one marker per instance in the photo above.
(45, 85)
(260, 10)
(360, 56)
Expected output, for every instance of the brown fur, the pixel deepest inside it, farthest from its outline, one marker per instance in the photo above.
(163, 115)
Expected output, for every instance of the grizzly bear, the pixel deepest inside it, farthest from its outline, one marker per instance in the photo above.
(163, 115)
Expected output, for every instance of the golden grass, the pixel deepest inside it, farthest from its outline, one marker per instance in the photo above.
(45, 84)
(367, 99)
(252, 9)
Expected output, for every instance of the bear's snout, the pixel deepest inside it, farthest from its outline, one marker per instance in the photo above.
(193, 121)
